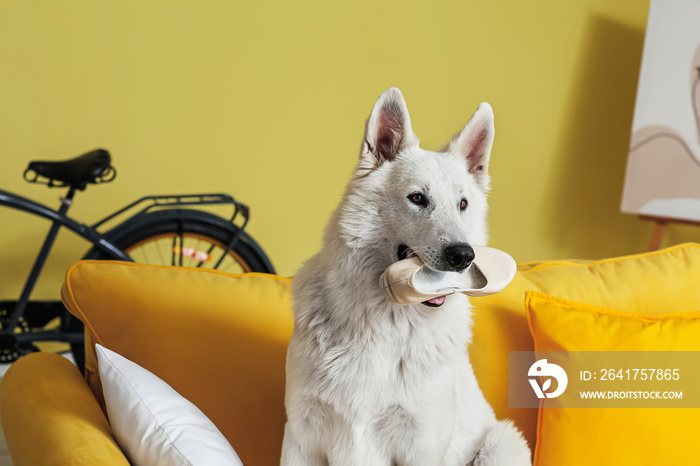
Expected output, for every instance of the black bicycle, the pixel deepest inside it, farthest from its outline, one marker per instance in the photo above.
(164, 230)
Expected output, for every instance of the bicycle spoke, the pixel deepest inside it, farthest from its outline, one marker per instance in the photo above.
(209, 253)
(228, 267)
(160, 252)
(196, 246)
(182, 247)
(174, 251)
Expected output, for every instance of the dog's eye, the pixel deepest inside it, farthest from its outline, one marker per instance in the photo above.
(418, 199)
(463, 205)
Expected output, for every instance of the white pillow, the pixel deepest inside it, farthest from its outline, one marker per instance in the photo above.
(152, 423)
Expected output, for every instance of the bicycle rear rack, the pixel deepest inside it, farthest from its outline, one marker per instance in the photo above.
(159, 202)
(166, 202)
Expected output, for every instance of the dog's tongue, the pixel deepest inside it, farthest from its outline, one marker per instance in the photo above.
(438, 301)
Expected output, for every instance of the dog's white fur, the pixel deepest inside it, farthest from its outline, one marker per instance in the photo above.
(371, 383)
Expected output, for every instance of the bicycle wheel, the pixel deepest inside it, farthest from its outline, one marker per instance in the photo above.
(180, 237)
(187, 238)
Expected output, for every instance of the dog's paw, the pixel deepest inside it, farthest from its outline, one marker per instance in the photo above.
(503, 445)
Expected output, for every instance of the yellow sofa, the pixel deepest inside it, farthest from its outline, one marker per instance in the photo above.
(220, 340)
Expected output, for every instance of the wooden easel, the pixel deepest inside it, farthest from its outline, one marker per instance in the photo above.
(660, 228)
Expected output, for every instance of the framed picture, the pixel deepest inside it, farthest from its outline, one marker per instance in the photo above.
(663, 166)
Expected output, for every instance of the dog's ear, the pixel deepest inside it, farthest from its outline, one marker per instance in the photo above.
(388, 129)
(474, 142)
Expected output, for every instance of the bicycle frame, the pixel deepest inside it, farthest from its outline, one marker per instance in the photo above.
(59, 219)
(89, 233)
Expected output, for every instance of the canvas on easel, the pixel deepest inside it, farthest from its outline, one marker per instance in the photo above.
(662, 181)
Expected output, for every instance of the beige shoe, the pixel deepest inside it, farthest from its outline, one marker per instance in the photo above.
(408, 282)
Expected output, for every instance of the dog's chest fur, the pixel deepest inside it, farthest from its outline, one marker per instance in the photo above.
(362, 361)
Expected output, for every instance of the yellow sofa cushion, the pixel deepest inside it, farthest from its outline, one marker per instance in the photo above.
(613, 436)
(50, 417)
(220, 340)
(648, 284)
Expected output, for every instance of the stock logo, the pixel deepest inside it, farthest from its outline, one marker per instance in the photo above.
(542, 369)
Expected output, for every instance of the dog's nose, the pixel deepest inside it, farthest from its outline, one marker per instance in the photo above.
(459, 256)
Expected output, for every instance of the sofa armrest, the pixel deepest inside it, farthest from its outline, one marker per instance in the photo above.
(50, 416)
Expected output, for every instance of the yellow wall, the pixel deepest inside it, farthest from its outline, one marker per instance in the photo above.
(267, 100)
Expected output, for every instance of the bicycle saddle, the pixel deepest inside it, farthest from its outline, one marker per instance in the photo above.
(93, 167)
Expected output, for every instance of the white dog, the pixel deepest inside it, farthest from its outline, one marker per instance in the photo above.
(371, 383)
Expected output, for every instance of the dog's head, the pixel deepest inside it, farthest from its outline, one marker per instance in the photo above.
(405, 200)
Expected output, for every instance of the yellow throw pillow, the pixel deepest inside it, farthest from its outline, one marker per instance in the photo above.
(648, 284)
(613, 436)
(220, 340)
